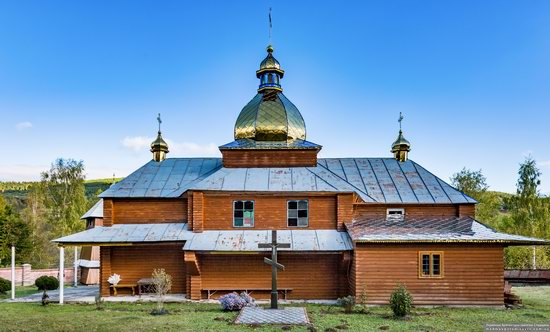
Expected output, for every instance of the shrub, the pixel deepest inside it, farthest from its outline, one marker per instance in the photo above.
(347, 302)
(232, 302)
(5, 285)
(401, 301)
(46, 283)
(163, 284)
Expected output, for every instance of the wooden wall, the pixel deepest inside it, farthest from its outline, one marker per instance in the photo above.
(136, 262)
(144, 211)
(269, 158)
(270, 211)
(418, 210)
(473, 274)
(311, 276)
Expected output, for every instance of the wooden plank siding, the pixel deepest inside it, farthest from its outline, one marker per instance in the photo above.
(270, 211)
(311, 276)
(416, 210)
(144, 211)
(473, 274)
(270, 158)
(344, 210)
(136, 262)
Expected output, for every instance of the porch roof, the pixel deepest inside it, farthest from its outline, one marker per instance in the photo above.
(128, 234)
(432, 229)
(248, 240)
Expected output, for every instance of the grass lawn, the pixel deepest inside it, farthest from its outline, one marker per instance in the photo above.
(209, 317)
(20, 291)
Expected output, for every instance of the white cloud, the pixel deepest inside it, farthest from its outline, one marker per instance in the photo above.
(177, 149)
(544, 163)
(137, 143)
(23, 125)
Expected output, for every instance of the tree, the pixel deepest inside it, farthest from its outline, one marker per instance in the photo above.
(472, 183)
(529, 179)
(54, 207)
(529, 216)
(13, 232)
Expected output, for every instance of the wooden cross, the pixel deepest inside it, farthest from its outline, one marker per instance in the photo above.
(274, 265)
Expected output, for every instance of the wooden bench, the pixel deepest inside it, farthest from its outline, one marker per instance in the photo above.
(125, 285)
(212, 291)
(146, 285)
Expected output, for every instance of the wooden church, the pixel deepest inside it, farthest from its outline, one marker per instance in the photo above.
(355, 225)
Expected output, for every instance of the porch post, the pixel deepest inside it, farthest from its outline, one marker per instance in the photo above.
(61, 272)
(75, 267)
(13, 272)
(534, 257)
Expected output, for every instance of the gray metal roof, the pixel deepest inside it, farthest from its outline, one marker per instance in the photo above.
(129, 233)
(247, 143)
(169, 178)
(95, 211)
(375, 180)
(248, 240)
(431, 229)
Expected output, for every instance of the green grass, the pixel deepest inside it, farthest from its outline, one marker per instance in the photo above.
(20, 291)
(209, 317)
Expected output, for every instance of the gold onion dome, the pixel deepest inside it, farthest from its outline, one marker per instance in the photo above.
(401, 147)
(159, 147)
(270, 116)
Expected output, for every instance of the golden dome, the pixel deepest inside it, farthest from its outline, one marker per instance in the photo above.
(270, 116)
(270, 62)
(159, 148)
(401, 147)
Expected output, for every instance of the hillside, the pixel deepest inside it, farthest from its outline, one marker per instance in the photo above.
(19, 190)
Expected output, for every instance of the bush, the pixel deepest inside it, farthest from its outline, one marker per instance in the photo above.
(5, 285)
(232, 302)
(163, 284)
(46, 283)
(347, 302)
(401, 301)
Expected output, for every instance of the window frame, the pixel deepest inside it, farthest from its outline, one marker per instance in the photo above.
(388, 210)
(297, 218)
(253, 212)
(431, 275)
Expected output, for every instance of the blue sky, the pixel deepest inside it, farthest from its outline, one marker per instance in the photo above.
(85, 79)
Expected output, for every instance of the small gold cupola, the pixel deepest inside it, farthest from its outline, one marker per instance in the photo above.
(401, 147)
(159, 147)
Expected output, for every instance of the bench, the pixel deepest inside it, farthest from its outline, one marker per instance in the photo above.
(126, 285)
(146, 285)
(212, 291)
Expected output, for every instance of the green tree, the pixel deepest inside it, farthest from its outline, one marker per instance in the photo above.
(529, 216)
(472, 183)
(54, 207)
(62, 189)
(13, 232)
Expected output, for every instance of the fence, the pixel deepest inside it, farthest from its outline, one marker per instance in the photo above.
(25, 275)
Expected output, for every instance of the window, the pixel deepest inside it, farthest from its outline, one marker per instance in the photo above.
(395, 214)
(430, 264)
(297, 213)
(243, 213)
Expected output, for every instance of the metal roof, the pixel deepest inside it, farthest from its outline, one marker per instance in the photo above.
(169, 178)
(129, 233)
(431, 229)
(95, 212)
(248, 240)
(375, 180)
(246, 143)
